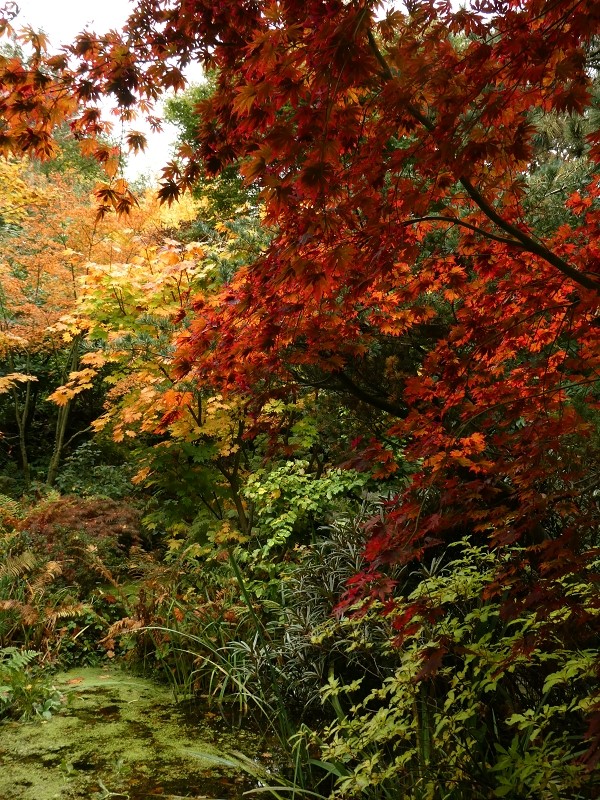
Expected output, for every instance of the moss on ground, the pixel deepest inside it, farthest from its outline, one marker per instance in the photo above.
(119, 736)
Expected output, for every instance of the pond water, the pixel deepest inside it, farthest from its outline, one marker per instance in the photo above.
(121, 736)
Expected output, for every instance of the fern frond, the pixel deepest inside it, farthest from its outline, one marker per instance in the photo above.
(101, 569)
(15, 566)
(27, 613)
(65, 612)
(14, 660)
(125, 625)
(51, 571)
(95, 563)
(10, 508)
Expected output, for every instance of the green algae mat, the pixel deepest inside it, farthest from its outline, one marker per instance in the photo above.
(119, 737)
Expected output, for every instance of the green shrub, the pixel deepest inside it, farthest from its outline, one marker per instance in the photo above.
(25, 689)
(84, 474)
(289, 497)
(479, 704)
(306, 641)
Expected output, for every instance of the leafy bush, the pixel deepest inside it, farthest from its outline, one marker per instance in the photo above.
(289, 496)
(85, 474)
(92, 537)
(480, 704)
(60, 563)
(25, 689)
(182, 612)
(305, 640)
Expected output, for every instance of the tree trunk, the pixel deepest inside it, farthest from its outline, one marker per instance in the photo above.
(22, 417)
(62, 419)
(21, 414)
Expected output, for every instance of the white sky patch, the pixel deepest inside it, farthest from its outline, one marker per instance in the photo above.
(62, 20)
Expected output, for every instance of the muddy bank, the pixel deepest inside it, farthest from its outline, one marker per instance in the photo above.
(120, 736)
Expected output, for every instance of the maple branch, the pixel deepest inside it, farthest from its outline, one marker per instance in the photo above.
(218, 514)
(75, 435)
(372, 400)
(463, 224)
(389, 76)
(527, 242)
(353, 389)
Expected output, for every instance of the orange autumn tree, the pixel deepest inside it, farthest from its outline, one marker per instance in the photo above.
(50, 232)
(394, 154)
(38, 283)
(188, 441)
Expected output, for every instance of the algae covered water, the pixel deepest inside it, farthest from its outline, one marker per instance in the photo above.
(120, 736)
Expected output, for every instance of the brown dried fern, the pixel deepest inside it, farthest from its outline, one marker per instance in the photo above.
(29, 615)
(16, 566)
(122, 626)
(51, 571)
(97, 565)
(65, 612)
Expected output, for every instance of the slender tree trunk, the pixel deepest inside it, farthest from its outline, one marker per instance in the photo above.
(63, 418)
(22, 416)
(232, 477)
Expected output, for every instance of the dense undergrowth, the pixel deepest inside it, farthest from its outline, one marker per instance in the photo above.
(501, 712)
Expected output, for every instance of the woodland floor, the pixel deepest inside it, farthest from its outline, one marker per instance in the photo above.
(120, 736)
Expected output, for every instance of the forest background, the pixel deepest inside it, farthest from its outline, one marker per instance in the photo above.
(313, 429)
